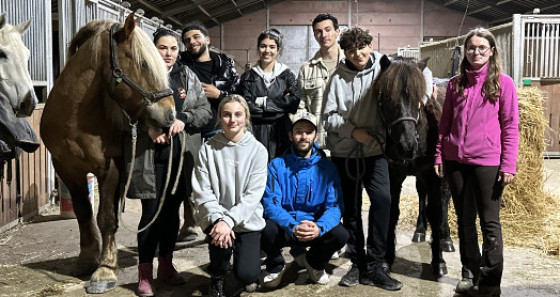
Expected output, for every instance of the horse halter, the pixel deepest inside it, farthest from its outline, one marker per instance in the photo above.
(119, 76)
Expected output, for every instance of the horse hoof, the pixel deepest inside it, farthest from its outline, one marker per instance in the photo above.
(100, 287)
(446, 245)
(439, 269)
(419, 237)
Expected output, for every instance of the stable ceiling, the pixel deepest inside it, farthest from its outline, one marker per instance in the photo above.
(215, 12)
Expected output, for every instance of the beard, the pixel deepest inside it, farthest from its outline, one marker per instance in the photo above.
(301, 150)
(197, 55)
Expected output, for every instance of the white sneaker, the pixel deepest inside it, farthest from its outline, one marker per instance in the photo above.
(317, 276)
(335, 256)
(271, 280)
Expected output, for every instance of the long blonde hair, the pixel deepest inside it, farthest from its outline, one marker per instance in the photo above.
(491, 86)
(239, 99)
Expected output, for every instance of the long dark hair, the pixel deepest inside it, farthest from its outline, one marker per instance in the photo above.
(491, 86)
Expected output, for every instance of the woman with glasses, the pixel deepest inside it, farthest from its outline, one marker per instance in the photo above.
(271, 91)
(477, 151)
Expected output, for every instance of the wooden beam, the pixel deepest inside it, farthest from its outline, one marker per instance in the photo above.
(449, 2)
(208, 14)
(157, 10)
(479, 10)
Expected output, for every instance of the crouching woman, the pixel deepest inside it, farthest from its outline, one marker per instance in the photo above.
(228, 183)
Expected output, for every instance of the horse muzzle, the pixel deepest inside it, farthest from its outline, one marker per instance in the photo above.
(27, 105)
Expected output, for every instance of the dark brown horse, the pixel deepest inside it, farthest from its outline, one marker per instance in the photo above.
(410, 144)
(114, 78)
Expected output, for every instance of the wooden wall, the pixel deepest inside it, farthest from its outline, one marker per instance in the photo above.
(33, 180)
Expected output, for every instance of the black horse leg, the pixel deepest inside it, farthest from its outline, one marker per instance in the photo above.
(421, 222)
(446, 242)
(434, 211)
(396, 179)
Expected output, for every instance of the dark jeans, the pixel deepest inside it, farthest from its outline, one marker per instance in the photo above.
(163, 231)
(476, 189)
(321, 248)
(375, 178)
(246, 257)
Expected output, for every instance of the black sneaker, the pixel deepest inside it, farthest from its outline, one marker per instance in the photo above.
(216, 287)
(351, 278)
(380, 277)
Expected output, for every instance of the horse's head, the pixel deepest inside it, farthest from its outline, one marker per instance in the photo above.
(138, 76)
(16, 86)
(400, 87)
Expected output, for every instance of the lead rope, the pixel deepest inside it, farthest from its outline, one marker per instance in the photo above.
(134, 133)
(181, 157)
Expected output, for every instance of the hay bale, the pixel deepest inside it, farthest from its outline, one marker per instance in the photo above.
(530, 216)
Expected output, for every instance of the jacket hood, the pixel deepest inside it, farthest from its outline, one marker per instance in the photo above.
(278, 68)
(245, 140)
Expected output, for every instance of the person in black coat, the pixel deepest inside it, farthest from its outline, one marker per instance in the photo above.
(271, 91)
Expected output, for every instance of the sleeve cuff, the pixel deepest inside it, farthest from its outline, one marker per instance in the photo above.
(228, 221)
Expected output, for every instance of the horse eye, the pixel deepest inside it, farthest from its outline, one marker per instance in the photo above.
(3, 55)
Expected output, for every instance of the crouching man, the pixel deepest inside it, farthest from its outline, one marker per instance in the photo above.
(302, 206)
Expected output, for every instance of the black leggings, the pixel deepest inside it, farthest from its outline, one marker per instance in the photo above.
(476, 190)
(164, 230)
(246, 257)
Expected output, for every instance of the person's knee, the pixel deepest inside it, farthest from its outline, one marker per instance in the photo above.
(247, 276)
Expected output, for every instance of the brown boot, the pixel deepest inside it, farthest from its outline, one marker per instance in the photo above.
(145, 280)
(166, 271)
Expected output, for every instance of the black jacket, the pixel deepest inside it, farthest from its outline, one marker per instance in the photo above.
(225, 77)
(282, 95)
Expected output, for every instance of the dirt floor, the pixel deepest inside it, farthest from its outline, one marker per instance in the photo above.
(37, 258)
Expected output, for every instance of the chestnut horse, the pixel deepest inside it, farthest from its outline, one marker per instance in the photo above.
(114, 79)
(410, 144)
(16, 87)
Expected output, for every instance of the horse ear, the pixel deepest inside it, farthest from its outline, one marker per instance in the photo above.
(423, 63)
(22, 27)
(384, 62)
(2, 20)
(129, 25)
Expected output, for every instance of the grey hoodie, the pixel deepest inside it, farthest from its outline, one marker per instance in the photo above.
(349, 103)
(229, 181)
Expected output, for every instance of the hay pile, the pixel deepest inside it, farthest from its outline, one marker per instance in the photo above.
(530, 216)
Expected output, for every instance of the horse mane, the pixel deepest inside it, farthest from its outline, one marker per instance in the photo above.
(398, 78)
(144, 53)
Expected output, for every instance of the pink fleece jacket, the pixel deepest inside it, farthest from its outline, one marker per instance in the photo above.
(475, 131)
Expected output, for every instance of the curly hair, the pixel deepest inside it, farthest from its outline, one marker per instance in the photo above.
(355, 37)
(491, 86)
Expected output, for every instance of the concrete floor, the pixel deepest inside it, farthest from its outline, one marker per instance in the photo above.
(37, 257)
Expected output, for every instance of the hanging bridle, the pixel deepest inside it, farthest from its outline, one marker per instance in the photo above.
(120, 76)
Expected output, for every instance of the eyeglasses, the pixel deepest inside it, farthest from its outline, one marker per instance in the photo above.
(481, 49)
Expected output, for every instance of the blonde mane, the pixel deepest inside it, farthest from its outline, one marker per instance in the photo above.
(143, 50)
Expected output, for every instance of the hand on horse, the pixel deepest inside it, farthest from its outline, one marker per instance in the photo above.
(157, 136)
(211, 91)
(222, 235)
(306, 231)
(361, 135)
(176, 128)
(439, 170)
(505, 178)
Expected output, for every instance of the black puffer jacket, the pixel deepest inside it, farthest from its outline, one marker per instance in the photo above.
(225, 78)
(270, 119)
